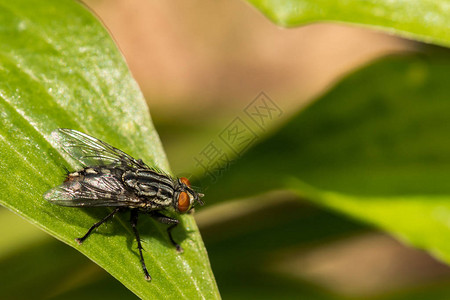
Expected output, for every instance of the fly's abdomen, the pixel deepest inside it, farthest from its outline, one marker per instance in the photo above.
(157, 188)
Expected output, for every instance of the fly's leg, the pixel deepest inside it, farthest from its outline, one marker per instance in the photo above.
(133, 221)
(170, 221)
(169, 231)
(96, 225)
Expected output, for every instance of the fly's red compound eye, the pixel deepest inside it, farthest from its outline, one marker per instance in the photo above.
(185, 181)
(183, 202)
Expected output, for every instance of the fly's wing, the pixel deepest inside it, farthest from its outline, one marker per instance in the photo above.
(100, 190)
(89, 151)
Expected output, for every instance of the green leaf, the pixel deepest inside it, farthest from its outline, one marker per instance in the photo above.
(21, 235)
(62, 275)
(26, 247)
(423, 20)
(60, 68)
(375, 147)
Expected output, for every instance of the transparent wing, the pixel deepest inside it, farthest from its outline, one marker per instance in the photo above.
(104, 190)
(90, 151)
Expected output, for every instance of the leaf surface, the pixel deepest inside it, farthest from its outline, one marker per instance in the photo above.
(424, 20)
(60, 68)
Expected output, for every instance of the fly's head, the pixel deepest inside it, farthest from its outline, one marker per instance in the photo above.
(185, 197)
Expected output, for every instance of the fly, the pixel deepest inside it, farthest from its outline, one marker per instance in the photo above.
(111, 178)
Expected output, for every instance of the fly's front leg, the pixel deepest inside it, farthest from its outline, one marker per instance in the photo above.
(170, 221)
(96, 225)
(133, 221)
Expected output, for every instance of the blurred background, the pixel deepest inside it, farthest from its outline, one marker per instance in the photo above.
(198, 70)
(198, 67)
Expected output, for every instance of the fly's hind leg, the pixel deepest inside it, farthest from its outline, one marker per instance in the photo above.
(133, 221)
(96, 225)
(170, 221)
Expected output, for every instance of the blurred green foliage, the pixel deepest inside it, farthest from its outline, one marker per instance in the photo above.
(381, 131)
(422, 20)
(375, 147)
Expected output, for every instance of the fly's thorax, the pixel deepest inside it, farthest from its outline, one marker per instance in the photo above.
(158, 189)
